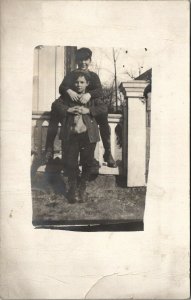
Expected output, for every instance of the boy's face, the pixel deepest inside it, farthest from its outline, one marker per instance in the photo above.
(81, 84)
(83, 64)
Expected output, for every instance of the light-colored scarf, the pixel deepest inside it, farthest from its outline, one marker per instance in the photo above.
(78, 125)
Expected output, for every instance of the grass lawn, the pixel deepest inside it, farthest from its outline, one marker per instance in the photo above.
(109, 201)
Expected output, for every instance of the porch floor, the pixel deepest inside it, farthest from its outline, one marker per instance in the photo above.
(109, 201)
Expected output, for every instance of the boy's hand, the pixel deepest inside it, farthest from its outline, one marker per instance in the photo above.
(73, 110)
(83, 110)
(85, 98)
(73, 95)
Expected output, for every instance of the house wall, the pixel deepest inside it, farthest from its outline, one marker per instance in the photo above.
(50, 66)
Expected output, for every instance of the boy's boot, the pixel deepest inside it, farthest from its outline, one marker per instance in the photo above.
(109, 159)
(105, 136)
(83, 184)
(82, 191)
(64, 159)
(72, 192)
(107, 155)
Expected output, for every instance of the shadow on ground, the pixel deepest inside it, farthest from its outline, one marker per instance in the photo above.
(111, 206)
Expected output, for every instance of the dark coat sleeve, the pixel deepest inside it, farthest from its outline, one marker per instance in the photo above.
(95, 87)
(97, 107)
(60, 107)
(66, 84)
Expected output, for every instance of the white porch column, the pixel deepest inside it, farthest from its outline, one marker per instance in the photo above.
(135, 123)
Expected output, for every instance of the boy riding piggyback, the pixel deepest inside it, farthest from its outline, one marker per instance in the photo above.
(93, 90)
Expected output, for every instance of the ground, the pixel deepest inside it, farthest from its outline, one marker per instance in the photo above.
(109, 201)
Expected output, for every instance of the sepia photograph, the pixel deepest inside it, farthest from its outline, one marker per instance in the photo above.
(90, 136)
(94, 149)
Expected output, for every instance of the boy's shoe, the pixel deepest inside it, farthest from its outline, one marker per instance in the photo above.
(95, 163)
(109, 159)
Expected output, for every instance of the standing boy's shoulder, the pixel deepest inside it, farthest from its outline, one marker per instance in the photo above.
(93, 74)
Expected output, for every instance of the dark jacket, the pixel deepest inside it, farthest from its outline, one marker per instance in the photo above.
(96, 107)
(94, 88)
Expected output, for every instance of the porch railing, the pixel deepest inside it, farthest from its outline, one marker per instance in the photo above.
(40, 121)
(130, 136)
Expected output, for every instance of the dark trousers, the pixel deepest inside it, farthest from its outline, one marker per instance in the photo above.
(101, 120)
(79, 144)
(105, 131)
(51, 133)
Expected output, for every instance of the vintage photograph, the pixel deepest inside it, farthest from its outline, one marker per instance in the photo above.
(95, 150)
(90, 136)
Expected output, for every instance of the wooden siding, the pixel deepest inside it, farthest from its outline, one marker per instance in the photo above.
(50, 66)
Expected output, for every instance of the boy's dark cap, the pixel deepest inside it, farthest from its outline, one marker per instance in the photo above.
(83, 53)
